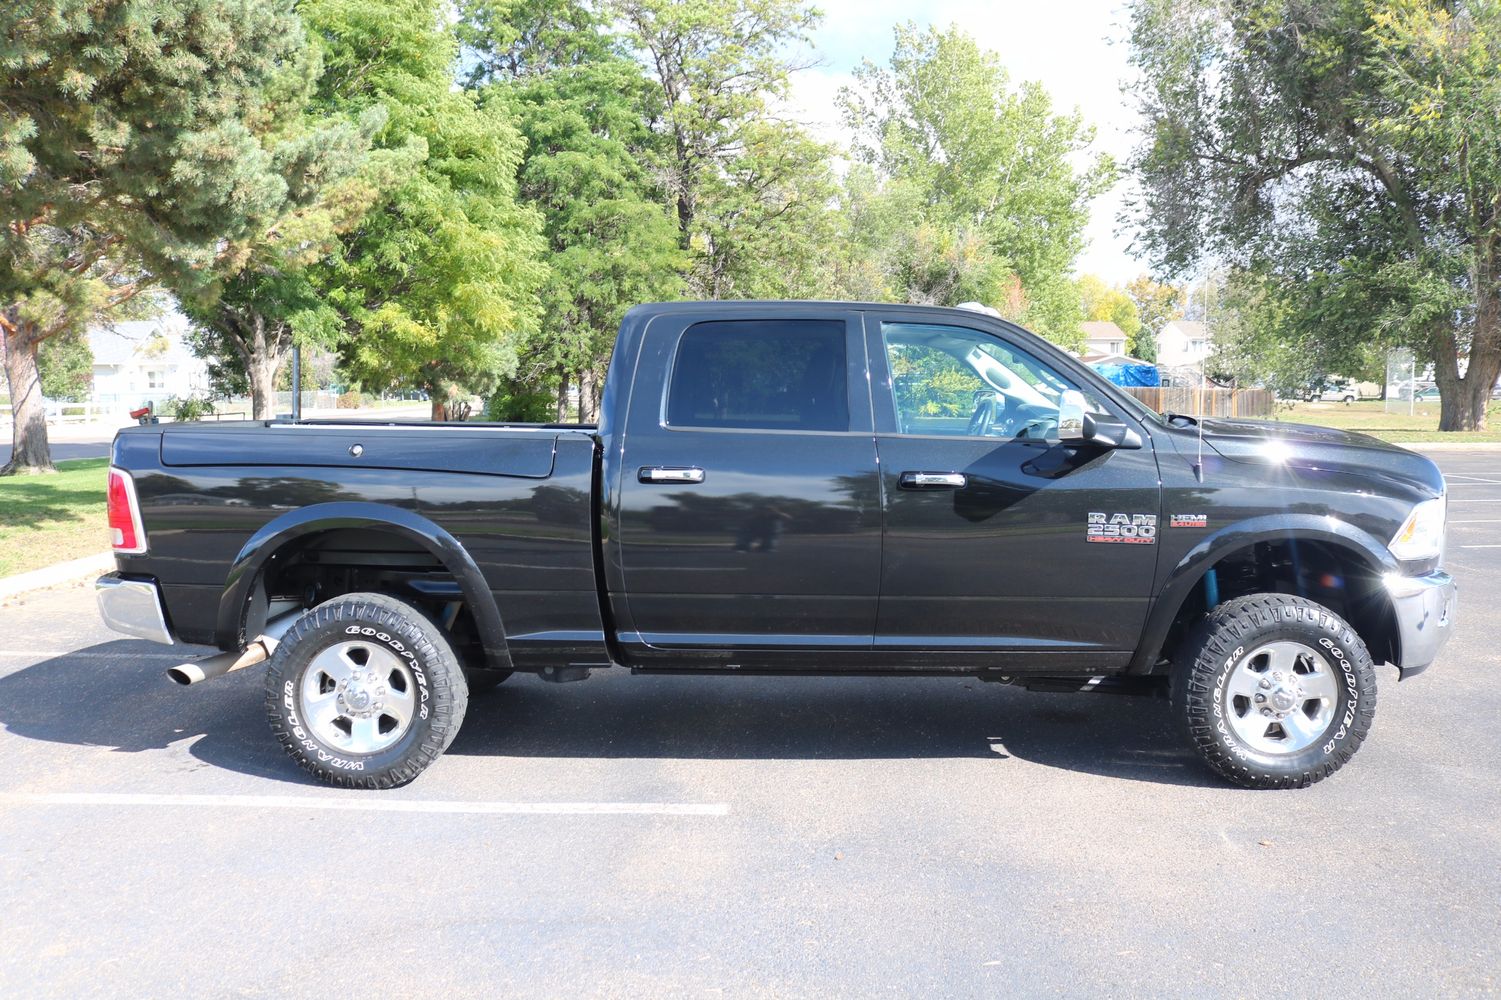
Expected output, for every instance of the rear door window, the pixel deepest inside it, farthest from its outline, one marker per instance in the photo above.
(761, 374)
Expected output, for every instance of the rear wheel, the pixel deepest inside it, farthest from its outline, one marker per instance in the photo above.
(1274, 691)
(365, 691)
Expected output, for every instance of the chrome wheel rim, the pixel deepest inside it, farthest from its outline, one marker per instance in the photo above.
(1280, 698)
(358, 696)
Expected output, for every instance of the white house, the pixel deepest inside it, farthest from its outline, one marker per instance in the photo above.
(145, 361)
(1103, 337)
(1183, 344)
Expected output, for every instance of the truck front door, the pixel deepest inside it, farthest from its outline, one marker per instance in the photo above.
(999, 539)
(749, 513)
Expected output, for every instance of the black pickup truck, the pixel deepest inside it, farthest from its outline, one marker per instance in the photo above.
(792, 487)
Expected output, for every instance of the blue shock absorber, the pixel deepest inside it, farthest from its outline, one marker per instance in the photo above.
(1211, 590)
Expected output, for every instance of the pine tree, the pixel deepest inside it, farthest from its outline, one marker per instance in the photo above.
(127, 153)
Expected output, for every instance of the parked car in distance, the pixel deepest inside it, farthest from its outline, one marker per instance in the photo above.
(793, 488)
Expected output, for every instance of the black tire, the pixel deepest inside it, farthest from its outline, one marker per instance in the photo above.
(1229, 636)
(481, 680)
(420, 645)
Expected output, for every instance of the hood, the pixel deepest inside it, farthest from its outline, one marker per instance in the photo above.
(1306, 446)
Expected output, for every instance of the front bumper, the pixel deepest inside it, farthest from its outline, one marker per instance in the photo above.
(133, 606)
(1424, 607)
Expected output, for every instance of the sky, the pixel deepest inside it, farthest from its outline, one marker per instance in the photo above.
(1074, 48)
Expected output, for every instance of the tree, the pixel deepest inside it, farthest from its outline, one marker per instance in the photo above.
(1157, 305)
(1113, 305)
(66, 366)
(125, 154)
(986, 158)
(716, 63)
(262, 299)
(437, 286)
(1350, 153)
(585, 109)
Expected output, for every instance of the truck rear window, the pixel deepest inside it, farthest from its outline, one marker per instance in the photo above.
(761, 374)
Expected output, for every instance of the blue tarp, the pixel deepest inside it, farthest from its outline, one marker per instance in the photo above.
(1130, 374)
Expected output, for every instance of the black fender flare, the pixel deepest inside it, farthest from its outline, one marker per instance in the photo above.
(258, 551)
(1185, 576)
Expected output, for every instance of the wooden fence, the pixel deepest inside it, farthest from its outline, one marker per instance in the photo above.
(1210, 401)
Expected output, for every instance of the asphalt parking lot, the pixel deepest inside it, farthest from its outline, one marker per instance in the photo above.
(650, 836)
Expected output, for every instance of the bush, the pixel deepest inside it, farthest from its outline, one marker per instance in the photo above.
(516, 402)
(189, 408)
(351, 400)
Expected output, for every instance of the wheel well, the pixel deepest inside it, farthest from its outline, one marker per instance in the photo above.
(1322, 572)
(320, 566)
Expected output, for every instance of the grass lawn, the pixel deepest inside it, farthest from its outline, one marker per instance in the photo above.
(1370, 417)
(49, 519)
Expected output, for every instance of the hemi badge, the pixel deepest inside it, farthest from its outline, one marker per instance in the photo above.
(1189, 521)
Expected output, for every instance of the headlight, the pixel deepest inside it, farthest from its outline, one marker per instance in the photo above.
(1422, 534)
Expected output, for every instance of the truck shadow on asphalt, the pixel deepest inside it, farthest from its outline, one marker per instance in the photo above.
(115, 695)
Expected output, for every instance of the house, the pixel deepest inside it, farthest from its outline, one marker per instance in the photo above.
(1184, 344)
(145, 361)
(1103, 337)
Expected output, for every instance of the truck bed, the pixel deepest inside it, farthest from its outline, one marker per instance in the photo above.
(513, 501)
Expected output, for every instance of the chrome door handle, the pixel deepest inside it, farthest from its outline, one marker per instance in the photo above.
(933, 480)
(662, 474)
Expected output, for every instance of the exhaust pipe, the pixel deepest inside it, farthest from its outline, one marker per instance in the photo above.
(258, 650)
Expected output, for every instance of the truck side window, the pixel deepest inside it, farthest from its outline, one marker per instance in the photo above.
(950, 380)
(761, 374)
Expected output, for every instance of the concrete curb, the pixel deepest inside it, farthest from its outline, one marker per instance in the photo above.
(1452, 445)
(58, 573)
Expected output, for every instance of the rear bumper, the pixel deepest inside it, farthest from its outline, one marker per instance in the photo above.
(133, 607)
(1424, 607)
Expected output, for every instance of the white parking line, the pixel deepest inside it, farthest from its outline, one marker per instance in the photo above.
(1484, 520)
(98, 656)
(367, 804)
(1480, 546)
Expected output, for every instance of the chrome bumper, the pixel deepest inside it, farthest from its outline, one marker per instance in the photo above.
(1424, 608)
(133, 607)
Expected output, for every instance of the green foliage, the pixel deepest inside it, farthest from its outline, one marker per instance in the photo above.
(745, 188)
(187, 408)
(66, 366)
(611, 242)
(1349, 153)
(438, 285)
(980, 164)
(526, 402)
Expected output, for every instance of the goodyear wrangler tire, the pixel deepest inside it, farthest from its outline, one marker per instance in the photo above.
(364, 691)
(1274, 691)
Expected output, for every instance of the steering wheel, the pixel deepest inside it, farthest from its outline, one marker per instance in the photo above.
(989, 406)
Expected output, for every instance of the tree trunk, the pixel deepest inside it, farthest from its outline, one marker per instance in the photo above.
(30, 451)
(562, 413)
(588, 396)
(440, 409)
(262, 364)
(262, 374)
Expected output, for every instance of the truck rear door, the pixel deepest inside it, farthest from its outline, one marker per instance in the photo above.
(749, 502)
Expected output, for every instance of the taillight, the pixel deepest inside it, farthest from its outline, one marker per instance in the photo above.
(125, 531)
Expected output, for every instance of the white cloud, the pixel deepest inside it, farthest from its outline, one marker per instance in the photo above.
(1076, 50)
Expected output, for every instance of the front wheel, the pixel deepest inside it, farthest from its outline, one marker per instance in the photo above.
(364, 691)
(1274, 691)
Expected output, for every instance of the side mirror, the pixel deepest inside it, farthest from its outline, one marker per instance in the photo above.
(1077, 426)
(1072, 428)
